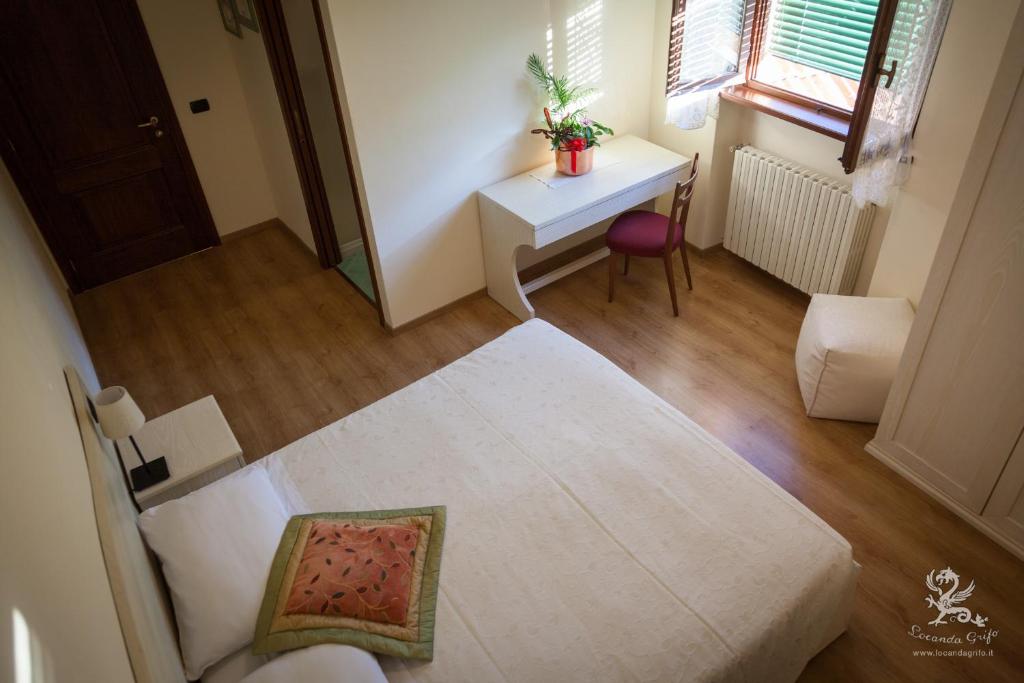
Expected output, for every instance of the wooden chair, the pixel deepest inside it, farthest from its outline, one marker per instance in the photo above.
(649, 234)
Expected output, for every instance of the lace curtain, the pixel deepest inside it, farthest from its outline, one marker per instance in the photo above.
(714, 37)
(691, 111)
(884, 159)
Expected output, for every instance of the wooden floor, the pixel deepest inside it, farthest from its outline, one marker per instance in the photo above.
(287, 348)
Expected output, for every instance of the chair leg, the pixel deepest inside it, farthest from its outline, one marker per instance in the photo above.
(611, 276)
(686, 265)
(671, 282)
(625, 268)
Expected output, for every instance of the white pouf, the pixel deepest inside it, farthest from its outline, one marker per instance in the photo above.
(847, 354)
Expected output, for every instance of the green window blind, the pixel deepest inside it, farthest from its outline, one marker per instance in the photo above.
(831, 35)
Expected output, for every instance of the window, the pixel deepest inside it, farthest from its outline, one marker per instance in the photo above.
(816, 49)
(716, 47)
(800, 60)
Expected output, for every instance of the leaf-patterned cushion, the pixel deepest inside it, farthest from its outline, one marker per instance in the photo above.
(367, 579)
(356, 571)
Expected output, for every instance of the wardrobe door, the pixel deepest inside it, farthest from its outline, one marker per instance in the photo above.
(1006, 507)
(964, 402)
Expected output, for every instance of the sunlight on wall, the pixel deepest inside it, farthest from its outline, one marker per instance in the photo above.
(577, 51)
(583, 44)
(550, 53)
(31, 663)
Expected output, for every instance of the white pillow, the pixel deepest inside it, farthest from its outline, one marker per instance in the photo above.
(216, 546)
(234, 668)
(329, 663)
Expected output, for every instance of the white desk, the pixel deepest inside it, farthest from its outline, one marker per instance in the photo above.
(538, 207)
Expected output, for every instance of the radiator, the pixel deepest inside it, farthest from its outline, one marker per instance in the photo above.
(800, 226)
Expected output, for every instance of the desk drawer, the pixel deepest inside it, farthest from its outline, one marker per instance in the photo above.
(610, 207)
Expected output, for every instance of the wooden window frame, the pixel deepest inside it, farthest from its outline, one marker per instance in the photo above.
(759, 32)
(835, 122)
(874, 69)
(675, 53)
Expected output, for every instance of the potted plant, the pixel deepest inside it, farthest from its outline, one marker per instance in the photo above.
(572, 133)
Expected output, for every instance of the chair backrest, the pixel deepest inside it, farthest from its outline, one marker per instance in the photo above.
(681, 204)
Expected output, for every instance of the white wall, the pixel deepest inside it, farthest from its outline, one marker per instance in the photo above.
(240, 147)
(974, 41)
(702, 229)
(439, 106)
(272, 136)
(196, 60)
(51, 563)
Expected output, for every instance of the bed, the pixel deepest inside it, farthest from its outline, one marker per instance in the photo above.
(594, 532)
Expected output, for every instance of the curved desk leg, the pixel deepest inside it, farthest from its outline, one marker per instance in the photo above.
(503, 280)
(502, 237)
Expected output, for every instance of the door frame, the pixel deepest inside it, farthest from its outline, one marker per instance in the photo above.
(274, 33)
(17, 142)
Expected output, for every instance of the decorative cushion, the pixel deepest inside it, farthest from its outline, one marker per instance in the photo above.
(215, 546)
(321, 664)
(847, 354)
(367, 579)
(641, 233)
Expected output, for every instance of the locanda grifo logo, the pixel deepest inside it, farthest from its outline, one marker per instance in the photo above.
(947, 599)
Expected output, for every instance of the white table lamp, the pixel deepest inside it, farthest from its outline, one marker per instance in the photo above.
(120, 417)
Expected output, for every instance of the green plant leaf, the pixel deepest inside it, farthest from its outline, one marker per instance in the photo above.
(537, 70)
(563, 101)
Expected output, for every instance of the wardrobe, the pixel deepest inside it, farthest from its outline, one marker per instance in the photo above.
(954, 419)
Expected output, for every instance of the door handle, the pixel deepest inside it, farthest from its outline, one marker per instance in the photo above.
(152, 123)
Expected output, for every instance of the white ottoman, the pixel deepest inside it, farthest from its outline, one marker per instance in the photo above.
(847, 354)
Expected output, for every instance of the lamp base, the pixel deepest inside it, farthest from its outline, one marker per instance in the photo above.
(141, 479)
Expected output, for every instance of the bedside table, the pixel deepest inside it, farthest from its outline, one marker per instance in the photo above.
(199, 446)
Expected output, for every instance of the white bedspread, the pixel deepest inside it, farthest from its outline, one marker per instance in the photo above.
(594, 532)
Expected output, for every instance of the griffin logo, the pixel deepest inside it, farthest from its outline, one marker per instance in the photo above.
(948, 599)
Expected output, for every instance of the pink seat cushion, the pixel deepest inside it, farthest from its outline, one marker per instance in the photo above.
(641, 233)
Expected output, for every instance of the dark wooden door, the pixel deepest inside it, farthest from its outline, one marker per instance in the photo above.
(92, 140)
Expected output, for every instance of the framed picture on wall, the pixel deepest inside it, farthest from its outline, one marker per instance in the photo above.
(228, 16)
(245, 12)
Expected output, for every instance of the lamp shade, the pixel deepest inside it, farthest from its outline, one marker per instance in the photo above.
(117, 413)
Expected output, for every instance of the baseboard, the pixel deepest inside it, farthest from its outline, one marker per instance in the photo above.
(714, 248)
(267, 225)
(878, 451)
(251, 230)
(298, 240)
(350, 248)
(405, 327)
